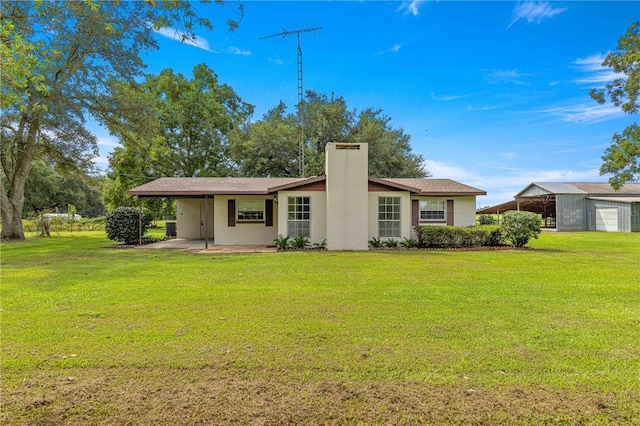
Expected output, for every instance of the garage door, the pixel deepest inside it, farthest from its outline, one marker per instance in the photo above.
(607, 219)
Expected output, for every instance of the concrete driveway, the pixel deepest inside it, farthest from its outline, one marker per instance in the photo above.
(198, 246)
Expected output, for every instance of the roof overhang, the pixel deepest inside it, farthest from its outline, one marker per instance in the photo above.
(627, 200)
(394, 185)
(297, 185)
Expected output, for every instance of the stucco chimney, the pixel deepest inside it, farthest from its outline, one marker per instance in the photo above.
(346, 167)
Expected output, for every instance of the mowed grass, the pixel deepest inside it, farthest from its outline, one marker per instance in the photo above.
(551, 334)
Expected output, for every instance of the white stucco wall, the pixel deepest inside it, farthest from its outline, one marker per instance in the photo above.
(242, 233)
(318, 213)
(189, 216)
(405, 212)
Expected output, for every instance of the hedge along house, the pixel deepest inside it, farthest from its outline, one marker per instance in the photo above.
(345, 206)
(579, 206)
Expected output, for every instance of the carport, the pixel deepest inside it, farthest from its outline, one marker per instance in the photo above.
(544, 205)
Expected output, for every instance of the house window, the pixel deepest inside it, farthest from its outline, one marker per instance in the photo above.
(299, 216)
(432, 211)
(250, 211)
(389, 217)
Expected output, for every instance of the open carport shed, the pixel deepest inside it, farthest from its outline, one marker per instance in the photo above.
(578, 206)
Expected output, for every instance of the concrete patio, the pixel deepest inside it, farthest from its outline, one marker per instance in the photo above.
(198, 246)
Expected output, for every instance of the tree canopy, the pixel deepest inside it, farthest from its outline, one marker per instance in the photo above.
(269, 147)
(60, 60)
(622, 158)
(178, 128)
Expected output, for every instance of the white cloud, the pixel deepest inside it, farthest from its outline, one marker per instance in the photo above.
(178, 35)
(534, 11)
(595, 73)
(584, 114)
(411, 7)
(447, 98)
(394, 49)
(502, 184)
(276, 61)
(507, 76)
(508, 155)
(108, 142)
(100, 161)
(236, 51)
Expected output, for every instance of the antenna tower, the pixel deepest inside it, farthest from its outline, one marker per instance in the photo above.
(297, 33)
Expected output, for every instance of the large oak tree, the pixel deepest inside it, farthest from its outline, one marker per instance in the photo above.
(59, 60)
(269, 147)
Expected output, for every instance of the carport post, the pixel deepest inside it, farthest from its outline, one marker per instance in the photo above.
(140, 222)
(206, 222)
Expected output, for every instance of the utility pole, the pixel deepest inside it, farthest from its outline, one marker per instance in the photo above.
(301, 146)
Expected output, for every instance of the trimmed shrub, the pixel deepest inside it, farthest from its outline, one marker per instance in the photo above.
(458, 237)
(495, 237)
(123, 225)
(519, 227)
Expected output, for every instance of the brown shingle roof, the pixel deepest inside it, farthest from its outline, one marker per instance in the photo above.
(185, 187)
(438, 186)
(172, 187)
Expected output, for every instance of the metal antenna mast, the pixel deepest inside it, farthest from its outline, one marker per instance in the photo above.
(284, 34)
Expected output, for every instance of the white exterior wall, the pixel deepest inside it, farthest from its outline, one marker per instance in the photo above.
(464, 210)
(318, 200)
(189, 216)
(242, 233)
(347, 199)
(405, 213)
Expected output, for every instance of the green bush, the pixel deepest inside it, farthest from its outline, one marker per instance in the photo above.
(519, 227)
(458, 237)
(409, 243)
(495, 237)
(123, 224)
(282, 242)
(300, 242)
(487, 219)
(376, 243)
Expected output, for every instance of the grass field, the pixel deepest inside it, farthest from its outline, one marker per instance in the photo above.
(548, 335)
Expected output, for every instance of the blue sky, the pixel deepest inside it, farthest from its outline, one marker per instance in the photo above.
(493, 94)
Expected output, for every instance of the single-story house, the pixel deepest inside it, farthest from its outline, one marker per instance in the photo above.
(579, 206)
(345, 206)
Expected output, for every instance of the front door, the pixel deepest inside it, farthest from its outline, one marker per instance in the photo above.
(206, 223)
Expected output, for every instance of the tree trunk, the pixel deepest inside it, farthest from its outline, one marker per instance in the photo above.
(12, 219)
(12, 198)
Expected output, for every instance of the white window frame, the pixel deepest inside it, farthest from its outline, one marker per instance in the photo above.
(250, 211)
(389, 217)
(299, 216)
(432, 210)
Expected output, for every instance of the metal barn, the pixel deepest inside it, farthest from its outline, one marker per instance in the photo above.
(578, 206)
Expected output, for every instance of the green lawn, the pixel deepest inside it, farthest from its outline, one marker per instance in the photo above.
(548, 335)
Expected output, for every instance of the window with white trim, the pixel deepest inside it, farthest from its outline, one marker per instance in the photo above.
(299, 217)
(250, 211)
(432, 211)
(389, 217)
